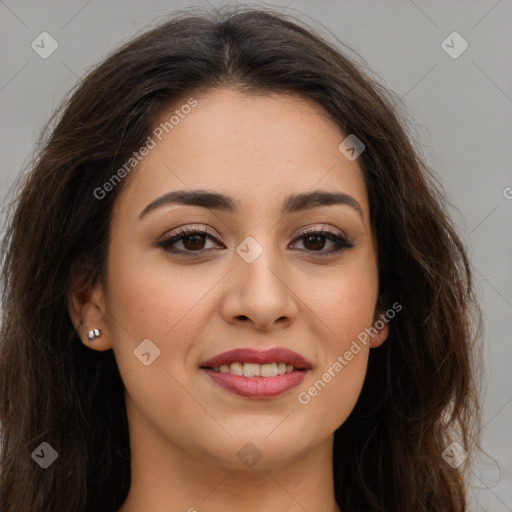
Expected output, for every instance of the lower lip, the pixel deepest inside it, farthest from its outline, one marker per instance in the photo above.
(257, 387)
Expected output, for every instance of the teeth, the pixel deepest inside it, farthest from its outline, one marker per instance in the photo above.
(269, 370)
(252, 370)
(236, 368)
(255, 370)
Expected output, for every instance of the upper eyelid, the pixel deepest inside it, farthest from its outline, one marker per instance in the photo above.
(181, 232)
(210, 231)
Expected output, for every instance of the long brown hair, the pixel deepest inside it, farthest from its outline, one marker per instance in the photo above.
(421, 387)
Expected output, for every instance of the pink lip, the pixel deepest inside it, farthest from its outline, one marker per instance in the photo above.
(258, 387)
(249, 355)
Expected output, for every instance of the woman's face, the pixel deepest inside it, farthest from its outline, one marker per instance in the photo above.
(253, 281)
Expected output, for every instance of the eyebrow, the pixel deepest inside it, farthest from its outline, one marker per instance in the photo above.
(221, 202)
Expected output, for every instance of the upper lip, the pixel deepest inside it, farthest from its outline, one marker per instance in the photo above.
(250, 355)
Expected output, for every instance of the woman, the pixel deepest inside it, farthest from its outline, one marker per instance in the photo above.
(234, 207)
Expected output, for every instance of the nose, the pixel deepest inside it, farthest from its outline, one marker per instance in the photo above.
(260, 293)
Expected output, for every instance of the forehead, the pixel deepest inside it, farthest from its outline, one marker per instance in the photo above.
(256, 148)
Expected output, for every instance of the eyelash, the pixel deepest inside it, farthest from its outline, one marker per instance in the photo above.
(341, 241)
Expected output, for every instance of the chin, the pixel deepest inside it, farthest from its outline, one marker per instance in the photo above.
(259, 448)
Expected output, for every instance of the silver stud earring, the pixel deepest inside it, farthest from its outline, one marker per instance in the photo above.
(92, 335)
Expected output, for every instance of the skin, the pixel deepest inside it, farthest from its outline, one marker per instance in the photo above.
(186, 431)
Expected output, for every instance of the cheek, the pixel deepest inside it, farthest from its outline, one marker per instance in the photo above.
(332, 396)
(344, 308)
(154, 302)
(151, 298)
(333, 392)
(344, 301)
(150, 301)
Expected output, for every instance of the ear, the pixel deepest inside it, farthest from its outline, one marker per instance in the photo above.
(86, 306)
(381, 324)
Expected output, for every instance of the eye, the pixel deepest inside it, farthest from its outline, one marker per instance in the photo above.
(193, 241)
(314, 239)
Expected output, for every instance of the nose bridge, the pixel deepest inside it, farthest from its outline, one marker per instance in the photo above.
(262, 293)
(260, 263)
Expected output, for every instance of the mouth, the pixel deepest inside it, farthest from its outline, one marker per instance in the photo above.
(255, 370)
(257, 374)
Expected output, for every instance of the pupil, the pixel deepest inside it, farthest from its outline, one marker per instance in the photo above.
(195, 241)
(317, 237)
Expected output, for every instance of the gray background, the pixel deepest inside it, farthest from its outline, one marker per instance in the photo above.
(462, 110)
